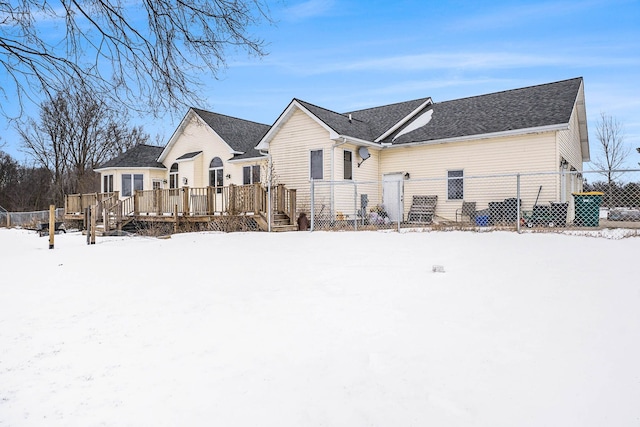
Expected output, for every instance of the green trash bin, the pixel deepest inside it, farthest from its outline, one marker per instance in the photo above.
(587, 208)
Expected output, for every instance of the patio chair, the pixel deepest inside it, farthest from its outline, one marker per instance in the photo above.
(468, 209)
(422, 209)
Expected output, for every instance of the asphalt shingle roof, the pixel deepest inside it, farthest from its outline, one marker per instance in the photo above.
(140, 156)
(529, 107)
(189, 155)
(241, 135)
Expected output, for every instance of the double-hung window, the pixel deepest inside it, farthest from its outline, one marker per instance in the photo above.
(131, 183)
(348, 164)
(316, 164)
(251, 174)
(107, 184)
(455, 185)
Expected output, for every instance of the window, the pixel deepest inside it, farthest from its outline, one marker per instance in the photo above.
(348, 164)
(316, 168)
(250, 174)
(216, 174)
(173, 176)
(131, 183)
(455, 188)
(107, 184)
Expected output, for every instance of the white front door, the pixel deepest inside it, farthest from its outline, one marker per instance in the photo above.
(393, 195)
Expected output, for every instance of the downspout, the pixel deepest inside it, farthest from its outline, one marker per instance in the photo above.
(268, 189)
(333, 147)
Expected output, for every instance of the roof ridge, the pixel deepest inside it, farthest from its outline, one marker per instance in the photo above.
(424, 98)
(196, 109)
(345, 115)
(510, 90)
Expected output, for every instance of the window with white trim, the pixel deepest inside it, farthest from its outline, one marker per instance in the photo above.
(173, 176)
(216, 174)
(131, 183)
(250, 174)
(107, 183)
(316, 166)
(455, 185)
(348, 164)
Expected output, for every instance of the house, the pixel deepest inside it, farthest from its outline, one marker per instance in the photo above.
(207, 149)
(540, 128)
(391, 152)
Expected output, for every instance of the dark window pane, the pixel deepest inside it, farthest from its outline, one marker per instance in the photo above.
(316, 164)
(216, 163)
(348, 165)
(138, 180)
(455, 185)
(246, 175)
(126, 185)
(212, 178)
(174, 168)
(173, 180)
(256, 174)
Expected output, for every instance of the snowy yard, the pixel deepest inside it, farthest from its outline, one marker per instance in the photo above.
(320, 329)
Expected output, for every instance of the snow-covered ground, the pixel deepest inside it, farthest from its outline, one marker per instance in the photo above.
(320, 329)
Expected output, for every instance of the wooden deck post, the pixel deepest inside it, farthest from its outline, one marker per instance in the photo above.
(119, 215)
(175, 219)
(211, 200)
(158, 200)
(94, 213)
(256, 198)
(136, 203)
(185, 201)
(52, 224)
(292, 206)
(232, 199)
(280, 203)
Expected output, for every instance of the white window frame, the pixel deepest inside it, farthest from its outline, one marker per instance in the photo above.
(107, 183)
(252, 174)
(452, 180)
(311, 164)
(173, 176)
(344, 153)
(133, 178)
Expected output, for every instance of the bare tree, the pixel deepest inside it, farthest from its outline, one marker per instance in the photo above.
(152, 53)
(75, 133)
(613, 152)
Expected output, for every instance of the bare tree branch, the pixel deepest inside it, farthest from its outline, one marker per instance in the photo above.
(613, 152)
(151, 54)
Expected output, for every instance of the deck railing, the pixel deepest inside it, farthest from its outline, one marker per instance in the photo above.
(186, 201)
(77, 203)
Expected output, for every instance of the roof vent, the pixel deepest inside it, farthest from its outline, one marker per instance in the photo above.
(350, 118)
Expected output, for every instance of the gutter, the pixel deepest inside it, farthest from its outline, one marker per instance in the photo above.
(541, 129)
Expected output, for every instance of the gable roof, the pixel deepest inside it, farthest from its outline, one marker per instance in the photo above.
(140, 156)
(531, 107)
(535, 108)
(241, 135)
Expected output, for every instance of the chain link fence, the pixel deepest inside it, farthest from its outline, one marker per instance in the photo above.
(28, 220)
(568, 201)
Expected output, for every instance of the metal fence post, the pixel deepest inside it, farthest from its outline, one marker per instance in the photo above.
(518, 203)
(399, 205)
(313, 207)
(355, 206)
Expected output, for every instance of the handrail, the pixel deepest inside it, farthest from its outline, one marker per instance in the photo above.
(231, 199)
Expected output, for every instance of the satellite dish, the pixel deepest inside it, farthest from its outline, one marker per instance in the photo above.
(363, 152)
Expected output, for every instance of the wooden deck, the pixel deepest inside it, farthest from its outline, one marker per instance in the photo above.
(182, 205)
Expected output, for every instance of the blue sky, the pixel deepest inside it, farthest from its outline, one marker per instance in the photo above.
(351, 54)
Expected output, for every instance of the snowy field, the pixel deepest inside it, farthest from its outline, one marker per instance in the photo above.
(320, 329)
